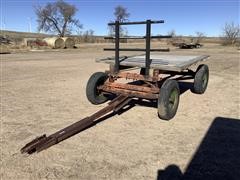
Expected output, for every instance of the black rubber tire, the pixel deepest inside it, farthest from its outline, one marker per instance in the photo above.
(168, 99)
(201, 79)
(93, 94)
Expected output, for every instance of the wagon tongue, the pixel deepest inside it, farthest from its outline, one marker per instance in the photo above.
(38, 144)
(43, 142)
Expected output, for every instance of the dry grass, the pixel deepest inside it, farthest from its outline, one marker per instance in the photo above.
(43, 92)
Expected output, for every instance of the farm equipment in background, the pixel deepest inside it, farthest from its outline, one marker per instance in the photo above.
(161, 86)
(5, 40)
(189, 45)
(182, 43)
(4, 45)
(34, 42)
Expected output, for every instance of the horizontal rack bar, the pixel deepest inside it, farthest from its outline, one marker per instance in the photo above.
(136, 49)
(158, 37)
(135, 23)
(139, 37)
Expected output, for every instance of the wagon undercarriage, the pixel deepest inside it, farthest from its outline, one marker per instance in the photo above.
(143, 86)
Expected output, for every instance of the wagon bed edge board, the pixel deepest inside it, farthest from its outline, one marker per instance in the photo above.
(176, 63)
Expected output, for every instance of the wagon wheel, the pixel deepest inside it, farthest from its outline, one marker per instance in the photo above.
(201, 79)
(94, 95)
(168, 99)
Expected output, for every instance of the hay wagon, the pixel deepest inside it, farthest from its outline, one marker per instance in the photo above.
(161, 85)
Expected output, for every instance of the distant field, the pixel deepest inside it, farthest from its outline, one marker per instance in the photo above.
(15, 34)
(18, 36)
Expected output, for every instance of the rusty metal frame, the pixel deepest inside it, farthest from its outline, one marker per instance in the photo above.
(136, 76)
(131, 90)
(148, 88)
(143, 86)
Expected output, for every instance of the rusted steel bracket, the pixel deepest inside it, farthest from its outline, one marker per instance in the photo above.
(44, 142)
(132, 87)
(131, 90)
(131, 93)
(136, 76)
(145, 90)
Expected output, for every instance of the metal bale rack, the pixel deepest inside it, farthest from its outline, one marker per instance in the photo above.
(150, 85)
(161, 85)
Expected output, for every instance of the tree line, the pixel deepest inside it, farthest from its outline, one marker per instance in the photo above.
(59, 18)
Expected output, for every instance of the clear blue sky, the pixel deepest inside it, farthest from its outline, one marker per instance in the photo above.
(185, 16)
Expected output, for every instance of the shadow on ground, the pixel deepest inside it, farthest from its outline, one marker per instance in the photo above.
(217, 158)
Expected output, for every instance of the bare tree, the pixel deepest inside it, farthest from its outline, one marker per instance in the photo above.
(231, 33)
(91, 35)
(88, 36)
(172, 33)
(57, 17)
(121, 14)
(199, 36)
(173, 39)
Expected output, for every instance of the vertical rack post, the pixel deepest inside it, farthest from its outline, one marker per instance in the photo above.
(148, 47)
(116, 67)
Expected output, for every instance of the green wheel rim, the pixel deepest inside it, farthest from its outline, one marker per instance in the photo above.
(173, 98)
(204, 80)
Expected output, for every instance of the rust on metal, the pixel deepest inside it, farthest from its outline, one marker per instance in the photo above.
(139, 88)
(136, 76)
(131, 93)
(44, 142)
(156, 74)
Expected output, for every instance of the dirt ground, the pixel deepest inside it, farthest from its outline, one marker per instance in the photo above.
(42, 92)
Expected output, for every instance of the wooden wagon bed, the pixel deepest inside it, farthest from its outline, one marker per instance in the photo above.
(158, 61)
